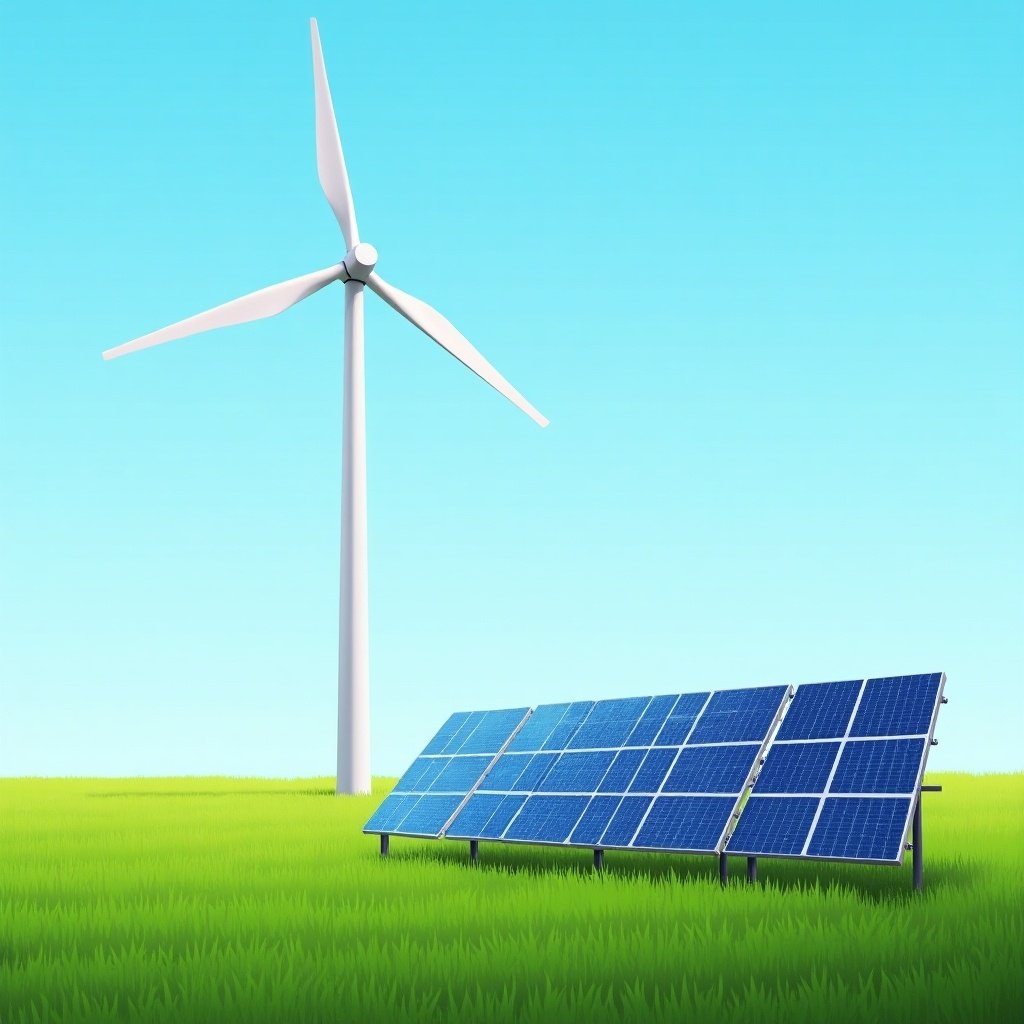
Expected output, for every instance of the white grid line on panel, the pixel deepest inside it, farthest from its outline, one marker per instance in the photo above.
(835, 768)
(849, 739)
(564, 750)
(473, 789)
(668, 771)
(780, 713)
(595, 750)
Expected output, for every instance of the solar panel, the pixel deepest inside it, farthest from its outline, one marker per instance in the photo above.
(841, 777)
(437, 783)
(658, 773)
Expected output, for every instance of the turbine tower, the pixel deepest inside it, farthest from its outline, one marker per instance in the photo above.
(357, 272)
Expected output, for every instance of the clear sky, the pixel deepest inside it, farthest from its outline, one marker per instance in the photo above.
(761, 265)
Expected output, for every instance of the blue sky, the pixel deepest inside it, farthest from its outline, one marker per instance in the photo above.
(760, 265)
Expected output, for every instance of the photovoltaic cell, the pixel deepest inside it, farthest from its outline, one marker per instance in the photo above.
(594, 821)
(439, 780)
(820, 711)
(797, 768)
(737, 715)
(844, 767)
(775, 825)
(609, 723)
(897, 706)
(578, 772)
(685, 823)
(878, 766)
(711, 769)
(625, 821)
(861, 828)
(547, 819)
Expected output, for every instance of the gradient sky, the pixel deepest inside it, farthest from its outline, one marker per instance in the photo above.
(761, 265)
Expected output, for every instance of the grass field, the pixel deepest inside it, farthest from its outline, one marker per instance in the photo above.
(252, 900)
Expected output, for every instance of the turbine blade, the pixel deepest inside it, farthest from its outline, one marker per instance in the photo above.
(435, 326)
(330, 161)
(255, 306)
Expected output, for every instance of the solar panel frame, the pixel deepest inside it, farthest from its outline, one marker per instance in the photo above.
(831, 797)
(409, 800)
(628, 797)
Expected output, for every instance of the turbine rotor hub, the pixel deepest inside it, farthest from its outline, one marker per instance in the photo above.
(360, 261)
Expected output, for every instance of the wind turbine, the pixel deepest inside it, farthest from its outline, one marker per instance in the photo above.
(356, 271)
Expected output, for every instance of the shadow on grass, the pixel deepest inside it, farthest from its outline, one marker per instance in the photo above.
(881, 884)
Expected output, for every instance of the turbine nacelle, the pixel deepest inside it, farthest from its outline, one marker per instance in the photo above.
(359, 262)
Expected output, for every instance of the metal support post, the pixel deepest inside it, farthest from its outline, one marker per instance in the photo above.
(917, 844)
(751, 869)
(384, 844)
(474, 850)
(599, 860)
(918, 852)
(723, 868)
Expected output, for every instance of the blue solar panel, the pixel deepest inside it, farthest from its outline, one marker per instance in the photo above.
(535, 733)
(429, 815)
(390, 813)
(652, 771)
(681, 718)
(897, 706)
(462, 733)
(622, 771)
(878, 766)
(459, 775)
(446, 732)
(547, 819)
(492, 731)
(685, 823)
(478, 811)
(578, 772)
(774, 825)
(595, 820)
(616, 757)
(485, 816)
(820, 711)
(499, 820)
(711, 769)
(733, 716)
(797, 768)
(861, 828)
(439, 780)
(567, 726)
(609, 723)
(624, 823)
(421, 774)
(651, 721)
(866, 723)
(506, 772)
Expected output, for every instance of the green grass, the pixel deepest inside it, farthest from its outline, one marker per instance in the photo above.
(252, 900)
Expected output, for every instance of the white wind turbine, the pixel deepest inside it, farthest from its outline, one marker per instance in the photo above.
(356, 271)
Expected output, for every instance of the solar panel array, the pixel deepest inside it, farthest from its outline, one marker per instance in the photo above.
(436, 785)
(839, 780)
(841, 777)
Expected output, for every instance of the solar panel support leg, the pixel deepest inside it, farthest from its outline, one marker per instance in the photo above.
(918, 852)
(751, 869)
(474, 850)
(599, 860)
(385, 843)
(723, 868)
